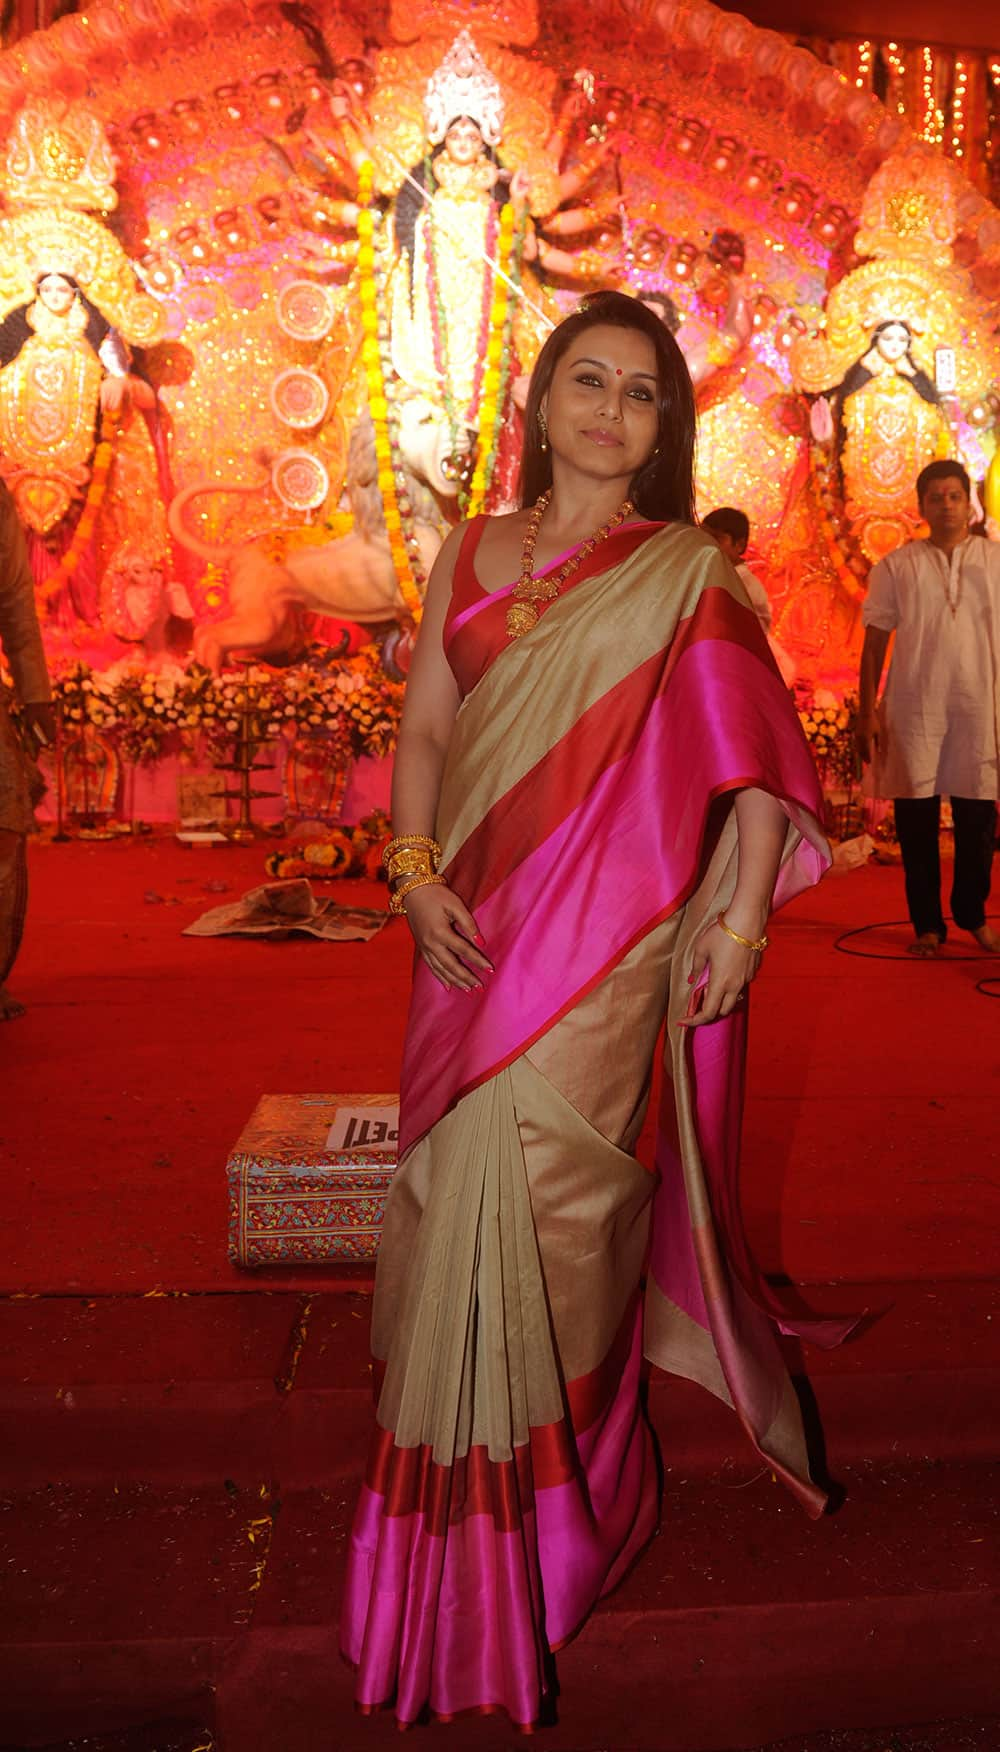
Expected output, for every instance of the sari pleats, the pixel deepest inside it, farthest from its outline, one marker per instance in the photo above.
(512, 1480)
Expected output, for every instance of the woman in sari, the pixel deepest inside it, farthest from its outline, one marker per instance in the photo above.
(601, 790)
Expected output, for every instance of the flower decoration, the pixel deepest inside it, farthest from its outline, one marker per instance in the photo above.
(371, 358)
(100, 469)
(829, 731)
(344, 851)
(495, 360)
(350, 703)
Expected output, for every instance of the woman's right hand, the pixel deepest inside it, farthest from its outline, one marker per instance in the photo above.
(446, 934)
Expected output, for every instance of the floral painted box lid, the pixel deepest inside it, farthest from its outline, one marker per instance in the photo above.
(308, 1177)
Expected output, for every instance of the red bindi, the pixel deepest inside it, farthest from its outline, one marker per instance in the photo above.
(618, 370)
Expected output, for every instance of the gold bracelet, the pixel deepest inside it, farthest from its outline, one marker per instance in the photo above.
(745, 942)
(410, 863)
(405, 842)
(399, 894)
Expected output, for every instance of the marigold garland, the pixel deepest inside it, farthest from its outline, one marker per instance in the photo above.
(371, 357)
(497, 365)
(852, 582)
(103, 457)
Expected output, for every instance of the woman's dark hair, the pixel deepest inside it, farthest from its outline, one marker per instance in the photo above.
(944, 470)
(663, 489)
(410, 202)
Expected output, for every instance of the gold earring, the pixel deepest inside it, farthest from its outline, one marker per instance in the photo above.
(543, 428)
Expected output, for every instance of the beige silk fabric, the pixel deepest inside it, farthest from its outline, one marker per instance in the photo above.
(460, 1310)
(530, 1184)
(511, 718)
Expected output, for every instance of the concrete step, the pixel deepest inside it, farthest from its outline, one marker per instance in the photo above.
(197, 1388)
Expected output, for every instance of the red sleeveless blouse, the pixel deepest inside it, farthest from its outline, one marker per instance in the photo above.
(475, 628)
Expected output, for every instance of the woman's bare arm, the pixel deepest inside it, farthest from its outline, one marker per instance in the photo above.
(762, 825)
(429, 708)
(443, 928)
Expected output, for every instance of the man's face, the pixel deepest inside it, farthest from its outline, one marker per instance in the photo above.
(945, 506)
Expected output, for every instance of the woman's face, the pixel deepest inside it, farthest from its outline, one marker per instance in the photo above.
(463, 142)
(893, 342)
(56, 294)
(601, 409)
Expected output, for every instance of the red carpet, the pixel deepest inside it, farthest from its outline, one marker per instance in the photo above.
(182, 1443)
(872, 1145)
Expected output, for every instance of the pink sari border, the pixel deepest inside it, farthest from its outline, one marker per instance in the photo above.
(472, 1600)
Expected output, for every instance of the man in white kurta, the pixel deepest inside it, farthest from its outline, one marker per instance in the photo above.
(937, 731)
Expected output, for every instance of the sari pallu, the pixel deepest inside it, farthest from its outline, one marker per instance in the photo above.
(584, 820)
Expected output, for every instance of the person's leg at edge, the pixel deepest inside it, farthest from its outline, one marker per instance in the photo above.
(13, 907)
(975, 820)
(918, 821)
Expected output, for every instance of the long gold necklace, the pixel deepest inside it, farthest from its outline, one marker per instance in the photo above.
(531, 593)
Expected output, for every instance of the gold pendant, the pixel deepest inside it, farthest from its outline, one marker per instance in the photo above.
(521, 617)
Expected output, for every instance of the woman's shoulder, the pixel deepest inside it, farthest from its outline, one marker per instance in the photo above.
(685, 539)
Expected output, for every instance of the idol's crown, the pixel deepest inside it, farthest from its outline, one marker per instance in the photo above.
(57, 155)
(463, 86)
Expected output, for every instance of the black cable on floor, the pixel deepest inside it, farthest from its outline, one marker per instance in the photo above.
(885, 955)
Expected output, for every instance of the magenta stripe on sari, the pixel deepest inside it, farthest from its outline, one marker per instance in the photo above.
(472, 1619)
(621, 861)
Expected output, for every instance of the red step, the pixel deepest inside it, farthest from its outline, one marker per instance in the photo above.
(158, 1600)
(201, 1387)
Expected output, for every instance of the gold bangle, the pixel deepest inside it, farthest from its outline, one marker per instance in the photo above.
(411, 863)
(745, 942)
(398, 896)
(406, 842)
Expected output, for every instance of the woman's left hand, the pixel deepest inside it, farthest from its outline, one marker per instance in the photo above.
(731, 969)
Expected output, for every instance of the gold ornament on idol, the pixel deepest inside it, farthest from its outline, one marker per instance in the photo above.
(531, 592)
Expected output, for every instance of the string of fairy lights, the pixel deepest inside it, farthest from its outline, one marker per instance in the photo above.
(951, 98)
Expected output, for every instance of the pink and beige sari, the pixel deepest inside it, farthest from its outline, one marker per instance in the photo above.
(528, 1260)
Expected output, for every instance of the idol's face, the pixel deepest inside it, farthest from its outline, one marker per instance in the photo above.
(463, 142)
(893, 343)
(945, 506)
(601, 408)
(56, 294)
